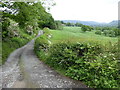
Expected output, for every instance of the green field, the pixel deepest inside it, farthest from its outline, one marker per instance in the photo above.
(74, 34)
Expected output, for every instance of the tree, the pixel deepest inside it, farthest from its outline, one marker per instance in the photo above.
(117, 31)
(30, 13)
(59, 25)
(78, 24)
(98, 32)
(84, 28)
(62, 22)
(68, 24)
(89, 28)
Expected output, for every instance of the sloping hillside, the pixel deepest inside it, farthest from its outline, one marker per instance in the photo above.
(92, 23)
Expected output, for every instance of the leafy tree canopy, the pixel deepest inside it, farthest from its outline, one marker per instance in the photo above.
(29, 13)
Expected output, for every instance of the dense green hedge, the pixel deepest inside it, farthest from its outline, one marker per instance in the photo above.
(86, 62)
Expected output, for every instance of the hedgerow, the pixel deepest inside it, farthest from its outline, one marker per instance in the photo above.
(87, 62)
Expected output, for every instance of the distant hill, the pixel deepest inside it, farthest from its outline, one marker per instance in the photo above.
(92, 23)
(113, 23)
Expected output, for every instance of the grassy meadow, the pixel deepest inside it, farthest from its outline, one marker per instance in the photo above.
(74, 34)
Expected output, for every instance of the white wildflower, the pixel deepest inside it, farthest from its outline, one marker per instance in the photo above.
(113, 58)
(105, 56)
(49, 36)
(49, 42)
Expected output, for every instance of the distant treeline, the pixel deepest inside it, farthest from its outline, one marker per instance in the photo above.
(100, 30)
(84, 28)
(108, 31)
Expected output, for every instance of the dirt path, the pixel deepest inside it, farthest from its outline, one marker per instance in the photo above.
(24, 70)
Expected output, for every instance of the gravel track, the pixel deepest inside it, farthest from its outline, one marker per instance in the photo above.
(24, 70)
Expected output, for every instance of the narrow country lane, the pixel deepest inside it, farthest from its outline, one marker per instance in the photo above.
(24, 70)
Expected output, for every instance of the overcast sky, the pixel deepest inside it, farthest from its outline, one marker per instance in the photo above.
(86, 10)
